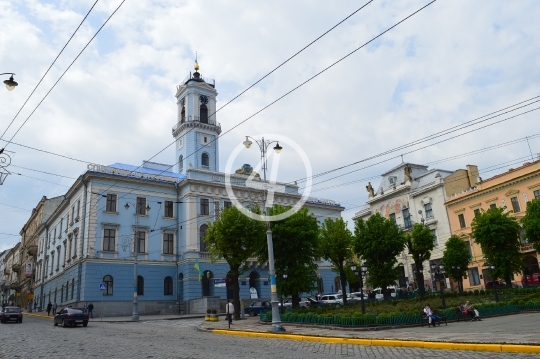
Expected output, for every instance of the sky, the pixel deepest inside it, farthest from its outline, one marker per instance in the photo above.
(447, 65)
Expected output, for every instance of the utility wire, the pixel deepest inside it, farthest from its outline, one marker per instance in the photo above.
(61, 76)
(46, 72)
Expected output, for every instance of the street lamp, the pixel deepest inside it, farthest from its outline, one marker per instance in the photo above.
(420, 271)
(457, 270)
(10, 84)
(491, 267)
(263, 146)
(438, 273)
(135, 315)
(361, 273)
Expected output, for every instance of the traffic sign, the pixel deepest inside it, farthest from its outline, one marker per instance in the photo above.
(102, 286)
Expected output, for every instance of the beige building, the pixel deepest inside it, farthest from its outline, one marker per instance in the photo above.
(511, 190)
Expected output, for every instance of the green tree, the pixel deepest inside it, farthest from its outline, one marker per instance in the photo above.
(296, 247)
(234, 237)
(456, 254)
(531, 223)
(420, 244)
(498, 235)
(336, 247)
(378, 241)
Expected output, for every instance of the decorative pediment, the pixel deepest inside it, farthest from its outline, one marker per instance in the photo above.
(459, 211)
(474, 206)
(534, 187)
(492, 200)
(426, 200)
(512, 193)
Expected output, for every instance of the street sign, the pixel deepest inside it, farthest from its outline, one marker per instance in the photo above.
(102, 286)
(30, 296)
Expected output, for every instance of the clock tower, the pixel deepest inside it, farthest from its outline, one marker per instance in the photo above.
(196, 131)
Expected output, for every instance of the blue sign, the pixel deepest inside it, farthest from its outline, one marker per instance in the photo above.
(102, 286)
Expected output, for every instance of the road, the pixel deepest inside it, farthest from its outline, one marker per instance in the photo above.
(181, 339)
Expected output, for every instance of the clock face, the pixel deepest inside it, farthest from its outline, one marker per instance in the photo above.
(203, 99)
(247, 169)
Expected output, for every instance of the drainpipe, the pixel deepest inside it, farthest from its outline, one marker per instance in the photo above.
(83, 228)
(177, 245)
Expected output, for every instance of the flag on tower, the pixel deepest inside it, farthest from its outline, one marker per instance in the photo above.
(198, 268)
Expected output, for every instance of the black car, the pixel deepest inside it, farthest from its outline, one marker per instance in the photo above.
(11, 314)
(71, 317)
(256, 307)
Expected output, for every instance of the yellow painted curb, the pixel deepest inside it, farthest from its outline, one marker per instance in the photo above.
(38, 316)
(514, 348)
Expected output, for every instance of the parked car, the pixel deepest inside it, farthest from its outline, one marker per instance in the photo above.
(11, 314)
(356, 297)
(71, 317)
(498, 284)
(379, 295)
(332, 299)
(256, 307)
(287, 303)
(531, 279)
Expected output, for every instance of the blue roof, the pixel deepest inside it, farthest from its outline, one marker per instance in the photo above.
(126, 167)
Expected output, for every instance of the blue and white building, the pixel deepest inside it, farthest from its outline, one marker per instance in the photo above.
(156, 215)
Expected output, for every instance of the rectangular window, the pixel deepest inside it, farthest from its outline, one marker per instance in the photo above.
(227, 204)
(461, 218)
(493, 205)
(522, 237)
(476, 212)
(141, 241)
(429, 210)
(75, 245)
(169, 209)
(168, 239)
(474, 278)
(393, 216)
(407, 218)
(78, 208)
(52, 262)
(111, 203)
(72, 213)
(58, 259)
(515, 204)
(141, 206)
(434, 234)
(469, 248)
(205, 207)
(61, 222)
(109, 236)
(536, 194)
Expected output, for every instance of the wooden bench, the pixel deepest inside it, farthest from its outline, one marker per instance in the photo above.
(460, 316)
(425, 319)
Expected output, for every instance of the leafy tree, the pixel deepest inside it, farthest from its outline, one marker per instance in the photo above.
(498, 235)
(378, 241)
(420, 244)
(456, 254)
(336, 247)
(531, 223)
(296, 247)
(234, 238)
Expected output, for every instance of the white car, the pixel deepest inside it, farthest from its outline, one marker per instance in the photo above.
(378, 293)
(332, 299)
(356, 297)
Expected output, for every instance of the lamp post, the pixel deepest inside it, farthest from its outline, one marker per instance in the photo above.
(361, 273)
(263, 146)
(491, 267)
(420, 271)
(457, 270)
(10, 83)
(138, 210)
(438, 273)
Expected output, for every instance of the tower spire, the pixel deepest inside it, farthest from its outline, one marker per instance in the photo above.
(196, 67)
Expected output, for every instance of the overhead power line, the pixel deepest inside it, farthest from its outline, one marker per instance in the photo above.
(61, 76)
(46, 72)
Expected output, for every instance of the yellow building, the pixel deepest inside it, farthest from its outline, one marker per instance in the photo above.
(511, 189)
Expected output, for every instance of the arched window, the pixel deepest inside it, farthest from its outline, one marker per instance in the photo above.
(72, 287)
(202, 234)
(204, 114)
(183, 115)
(140, 285)
(108, 280)
(181, 163)
(205, 160)
(168, 286)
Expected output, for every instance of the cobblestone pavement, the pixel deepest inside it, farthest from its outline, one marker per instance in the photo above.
(181, 339)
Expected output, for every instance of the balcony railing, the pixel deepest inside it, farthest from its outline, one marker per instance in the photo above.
(32, 249)
(527, 247)
(16, 267)
(408, 223)
(197, 119)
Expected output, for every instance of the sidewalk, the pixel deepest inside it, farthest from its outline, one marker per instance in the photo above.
(518, 333)
(142, 318)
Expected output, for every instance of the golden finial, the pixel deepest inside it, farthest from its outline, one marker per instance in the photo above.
(196, 67)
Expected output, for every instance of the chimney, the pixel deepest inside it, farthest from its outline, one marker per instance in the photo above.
(472, 173)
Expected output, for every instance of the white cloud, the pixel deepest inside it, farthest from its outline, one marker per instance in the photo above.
(448, 64)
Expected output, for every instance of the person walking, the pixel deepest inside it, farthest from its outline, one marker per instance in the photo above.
(90, 309)
(49, 307)
(229, 309)
(54, 306)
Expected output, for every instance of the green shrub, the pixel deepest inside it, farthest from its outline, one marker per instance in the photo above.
(482, 292)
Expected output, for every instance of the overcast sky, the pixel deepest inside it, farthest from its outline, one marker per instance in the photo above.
(449, 64)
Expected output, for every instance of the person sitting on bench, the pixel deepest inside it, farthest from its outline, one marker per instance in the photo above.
(429, 313)
(469, 310)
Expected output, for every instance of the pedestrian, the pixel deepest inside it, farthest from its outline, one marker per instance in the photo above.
(49, 307)
(54, 306)
(229, 309)
(90, 309)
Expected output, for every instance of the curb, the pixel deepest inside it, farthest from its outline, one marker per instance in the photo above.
(38, 315)
(513, 348)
